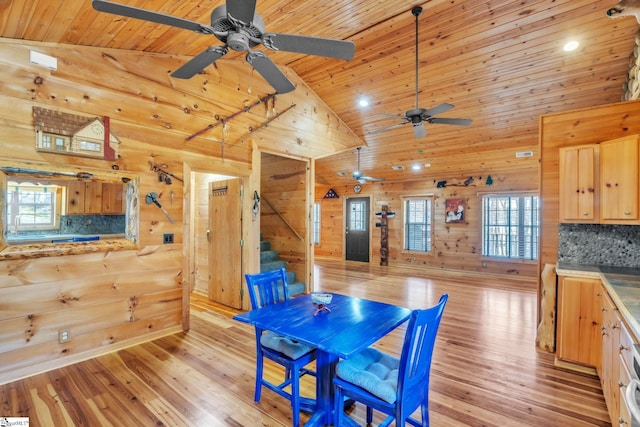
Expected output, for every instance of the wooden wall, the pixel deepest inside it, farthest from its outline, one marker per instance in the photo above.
(109, 299)
(455, 246)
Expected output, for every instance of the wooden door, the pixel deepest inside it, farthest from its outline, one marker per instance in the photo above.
(578, 184)
(225, 239)
(619, 179)
(357, 229)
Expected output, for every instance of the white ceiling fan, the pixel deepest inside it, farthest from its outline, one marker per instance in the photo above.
(360, 177)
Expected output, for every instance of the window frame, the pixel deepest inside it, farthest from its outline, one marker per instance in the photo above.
(16, 170)
(316, 219)
(429, 234)
(26, 185)
(534, 239)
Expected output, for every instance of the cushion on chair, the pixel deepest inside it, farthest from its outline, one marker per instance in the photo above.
(373, 371)
(287, 346)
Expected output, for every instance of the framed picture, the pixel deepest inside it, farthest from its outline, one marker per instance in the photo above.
(454, 210)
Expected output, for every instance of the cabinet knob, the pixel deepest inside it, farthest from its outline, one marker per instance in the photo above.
(622, 421)
(627, 213)
(585, 213)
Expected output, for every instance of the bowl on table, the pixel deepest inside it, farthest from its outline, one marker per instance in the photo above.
(321, 298)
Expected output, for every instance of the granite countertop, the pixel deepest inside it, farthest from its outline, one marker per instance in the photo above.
(622, 283)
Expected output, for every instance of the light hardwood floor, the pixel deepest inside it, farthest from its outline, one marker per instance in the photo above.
(486, 370)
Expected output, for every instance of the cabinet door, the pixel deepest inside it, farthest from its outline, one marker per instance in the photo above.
(610, 365)
(578, 184)
(112, 198)
(75, 197)
(579, 338)
(619, 180)
(93, 198)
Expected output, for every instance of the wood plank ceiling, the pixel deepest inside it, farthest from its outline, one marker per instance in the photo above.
(501, 63)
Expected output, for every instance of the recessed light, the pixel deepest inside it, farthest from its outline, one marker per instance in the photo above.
(342, 173)
(363, 102)
(397, 167)
(427, 165)
(416, 167)
(571, 45)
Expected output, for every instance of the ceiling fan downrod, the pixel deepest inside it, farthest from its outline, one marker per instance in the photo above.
(416, 11)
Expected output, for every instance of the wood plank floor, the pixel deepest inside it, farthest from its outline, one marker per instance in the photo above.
(486, 370)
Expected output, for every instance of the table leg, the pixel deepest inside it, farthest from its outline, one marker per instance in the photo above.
(325, 369)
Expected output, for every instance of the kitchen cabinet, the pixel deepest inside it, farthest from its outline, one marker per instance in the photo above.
(579, 326)
(619, 180)
(85, 197)
(578, 182)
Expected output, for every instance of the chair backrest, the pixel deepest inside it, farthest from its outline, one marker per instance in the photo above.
(267, 288)
(417, 352)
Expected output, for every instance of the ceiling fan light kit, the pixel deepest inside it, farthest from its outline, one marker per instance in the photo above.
(239, 28)
(417, 116)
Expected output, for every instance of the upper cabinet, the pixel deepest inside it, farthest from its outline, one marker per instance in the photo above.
(600, 183)
(619, 180)
(86, 197)
(578, 180)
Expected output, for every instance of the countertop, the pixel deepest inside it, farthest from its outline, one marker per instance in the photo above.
(622, 283)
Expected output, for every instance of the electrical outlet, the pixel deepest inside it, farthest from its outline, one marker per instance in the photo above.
(63, 336)
(167, 238)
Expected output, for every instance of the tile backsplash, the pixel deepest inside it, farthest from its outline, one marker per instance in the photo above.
(599, 244)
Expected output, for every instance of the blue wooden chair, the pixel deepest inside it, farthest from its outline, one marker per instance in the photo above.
(271, 288)
(396, 387)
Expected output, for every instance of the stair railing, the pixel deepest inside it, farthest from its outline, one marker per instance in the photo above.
(284, 220)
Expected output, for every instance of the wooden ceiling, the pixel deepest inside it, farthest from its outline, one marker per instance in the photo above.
(501, 63)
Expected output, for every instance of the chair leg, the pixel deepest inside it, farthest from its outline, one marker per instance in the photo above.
(259, 368)
(369, 415)
(295, 396)
(338, 407)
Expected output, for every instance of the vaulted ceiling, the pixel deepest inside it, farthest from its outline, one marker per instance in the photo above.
(501, 63)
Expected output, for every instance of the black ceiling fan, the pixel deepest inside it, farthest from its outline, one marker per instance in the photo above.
(417, 116)
(238, 26)
(360, 177)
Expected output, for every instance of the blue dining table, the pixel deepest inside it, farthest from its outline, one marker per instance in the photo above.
(352, 325)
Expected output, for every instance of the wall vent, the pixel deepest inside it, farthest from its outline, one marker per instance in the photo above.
(524, 154)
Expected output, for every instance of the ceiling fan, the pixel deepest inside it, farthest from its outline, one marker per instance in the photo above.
(360, 177)
(238, 26)
(417, 116)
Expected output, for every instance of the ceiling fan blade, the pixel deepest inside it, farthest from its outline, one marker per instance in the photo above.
(375, 132)
(393, 116)
(199, 62)
(437, 110)
(446, 121)
(241, 10)
(330, 48)
(270, 71)
(370, 178)
(419, 130)
(146, 15)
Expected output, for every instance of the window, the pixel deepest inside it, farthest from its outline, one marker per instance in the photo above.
(316, 223)
(417, 224)
(510, 226)
(358, 216)
(31, 206)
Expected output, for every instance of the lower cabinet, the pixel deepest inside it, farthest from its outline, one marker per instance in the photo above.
(592, 334)
(579, 326)
(609, 369)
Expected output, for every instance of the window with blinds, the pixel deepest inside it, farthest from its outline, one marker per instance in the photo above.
(510, 226)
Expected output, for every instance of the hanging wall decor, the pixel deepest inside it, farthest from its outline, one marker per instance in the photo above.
(454, 210)
(331, 194)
